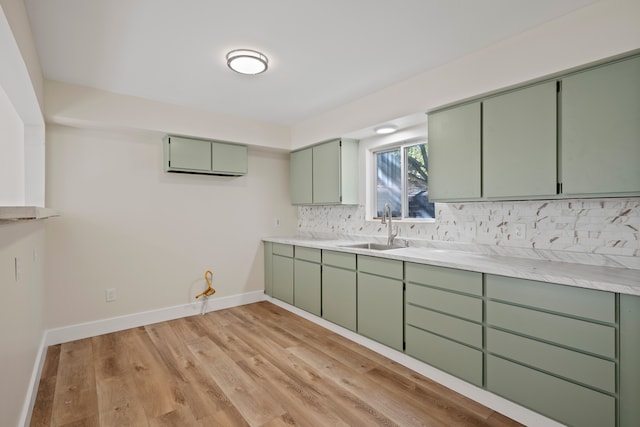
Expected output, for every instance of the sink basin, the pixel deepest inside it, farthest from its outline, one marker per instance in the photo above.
(374, 246)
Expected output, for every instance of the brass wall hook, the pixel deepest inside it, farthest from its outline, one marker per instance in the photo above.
(208, 275)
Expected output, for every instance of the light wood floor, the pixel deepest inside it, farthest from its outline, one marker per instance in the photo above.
(256, 365)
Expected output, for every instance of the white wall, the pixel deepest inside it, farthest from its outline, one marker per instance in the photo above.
(126, 224)
(12, 159)
(603, 29)
(21, 312)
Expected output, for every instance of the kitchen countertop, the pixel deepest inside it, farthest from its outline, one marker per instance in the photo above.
(605, 278)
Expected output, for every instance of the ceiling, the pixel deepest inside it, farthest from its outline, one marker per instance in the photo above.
(322, 53)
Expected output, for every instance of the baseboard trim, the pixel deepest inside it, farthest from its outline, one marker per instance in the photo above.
(32, 391)
(484, 397)
(120, 323)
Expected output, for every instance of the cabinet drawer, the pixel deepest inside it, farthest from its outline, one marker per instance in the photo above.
(441, 324)
(457, 359)
(447, 302)
(575, 366)
(564, 401)
(578, 334)
(587, 303)
(441, 277)
(339, 259)
(380, 266)
(284, 250)
(308, 254)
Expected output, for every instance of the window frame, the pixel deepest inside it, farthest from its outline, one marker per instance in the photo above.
(373, 178)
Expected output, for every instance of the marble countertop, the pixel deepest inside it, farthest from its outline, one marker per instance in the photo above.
(605, 278)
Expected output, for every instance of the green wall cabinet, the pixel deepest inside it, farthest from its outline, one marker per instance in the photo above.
(601, 130)
(339, 289)
(577, 135)
(325, 174)
(519, 143)
(307, 283)
(204, 157)
(282, 269)
(454, 153)
(302, 177)
(380, 300)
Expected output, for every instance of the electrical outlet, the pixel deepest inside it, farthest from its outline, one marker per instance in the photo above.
(518, 232)
(276, 222)
(110, 295)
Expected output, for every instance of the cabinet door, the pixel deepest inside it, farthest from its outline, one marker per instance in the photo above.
(301, 177)
(189, 154)
(283, 278)
(519, 157)
(600, 132)
(380, 314)
(268, 268)
(339, 296)
(629, 360)
(454, 153)
(326, 173)
(229, 158)
(307, 286)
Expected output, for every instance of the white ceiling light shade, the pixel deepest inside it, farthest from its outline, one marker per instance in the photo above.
(386, 129)
(246, 61)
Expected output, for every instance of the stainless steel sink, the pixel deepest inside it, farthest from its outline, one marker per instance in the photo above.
(373, 246)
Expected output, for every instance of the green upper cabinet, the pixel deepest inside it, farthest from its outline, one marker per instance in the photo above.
(325, 174)
(600, 134)
(302, 177)
(204, 157)
(519, 143)
(454, 153)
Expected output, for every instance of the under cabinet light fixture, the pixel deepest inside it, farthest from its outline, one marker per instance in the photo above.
(246, 61)
(386, 129)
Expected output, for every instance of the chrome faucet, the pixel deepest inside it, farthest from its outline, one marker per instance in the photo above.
(386, 213)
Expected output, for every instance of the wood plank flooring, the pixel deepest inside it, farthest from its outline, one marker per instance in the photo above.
(254, 365)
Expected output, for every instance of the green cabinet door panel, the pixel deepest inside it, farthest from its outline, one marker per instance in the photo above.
(189, 154)
(339, 303)
(455, 153)
(561, 400)
(565, 331)
(519, 143)
(326, 173)
(301, 177)
(308, 254)
(447, 326)
(380, 309)
(229, 158)
(447, 302)
(283, 249)
(457, 359)
(629, 360)
(600, 132)
(469, 282)
(569, 300)
(339, 259)
(574, 366)
(307, 286)
(268, 268)
(381, 266)
(283, 278)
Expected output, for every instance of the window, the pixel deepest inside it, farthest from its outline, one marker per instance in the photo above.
(402, 181)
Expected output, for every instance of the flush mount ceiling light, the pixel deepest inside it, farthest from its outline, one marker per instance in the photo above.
(383, 130)
(246, 61)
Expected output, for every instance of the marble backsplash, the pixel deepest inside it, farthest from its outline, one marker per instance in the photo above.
(590, 231)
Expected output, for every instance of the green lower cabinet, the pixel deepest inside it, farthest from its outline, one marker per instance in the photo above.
(339, 303)
(380, 309)
(564, 401)
(629, 361)
(307, 286)
(268, 268)
(457, 359)
(283, 278)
